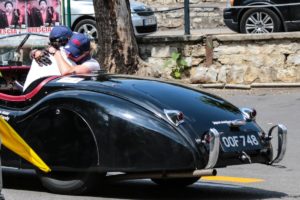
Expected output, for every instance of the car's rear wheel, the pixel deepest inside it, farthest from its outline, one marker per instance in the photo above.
(73, 183)
(87, 26)
(176, 182)
(260, 20)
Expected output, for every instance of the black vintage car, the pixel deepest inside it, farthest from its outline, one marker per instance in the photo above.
(262, 16)
(87, 126)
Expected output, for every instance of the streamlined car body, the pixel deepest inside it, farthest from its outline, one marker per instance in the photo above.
(84, 126)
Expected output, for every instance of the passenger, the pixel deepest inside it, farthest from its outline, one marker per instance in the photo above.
(43, 64)
(78, 50)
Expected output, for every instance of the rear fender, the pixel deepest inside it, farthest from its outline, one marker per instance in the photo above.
(63, 138)
(125, 135)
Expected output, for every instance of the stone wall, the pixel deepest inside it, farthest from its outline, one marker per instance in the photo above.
(231, 59)
(203, 13)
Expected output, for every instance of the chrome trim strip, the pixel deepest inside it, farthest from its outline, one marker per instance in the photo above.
(214, 148)
(282, 142)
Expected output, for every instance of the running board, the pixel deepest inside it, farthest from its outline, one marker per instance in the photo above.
(159, 175)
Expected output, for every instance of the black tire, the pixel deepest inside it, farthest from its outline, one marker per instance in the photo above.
(74, 183)
(87, 26)
(175, 182)
(260, 20)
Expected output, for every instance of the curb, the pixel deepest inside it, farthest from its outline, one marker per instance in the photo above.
(247, 87)
(274, 85)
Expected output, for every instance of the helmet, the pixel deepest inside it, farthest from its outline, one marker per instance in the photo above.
(60, 35)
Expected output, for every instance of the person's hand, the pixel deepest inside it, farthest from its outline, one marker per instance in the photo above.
(42, 57)
(52, 50)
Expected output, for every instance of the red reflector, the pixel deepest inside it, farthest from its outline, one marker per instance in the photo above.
(180, 116)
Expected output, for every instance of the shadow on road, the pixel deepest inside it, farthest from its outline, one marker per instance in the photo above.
(145, 189)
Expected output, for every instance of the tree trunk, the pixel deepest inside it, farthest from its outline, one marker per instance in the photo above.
(118, 50)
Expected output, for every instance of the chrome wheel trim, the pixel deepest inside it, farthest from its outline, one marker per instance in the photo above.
(88, 29)
(259, 22)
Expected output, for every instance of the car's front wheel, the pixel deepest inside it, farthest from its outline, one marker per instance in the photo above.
(72, 183)
(175, 182)
(260, 20)
(87, 26)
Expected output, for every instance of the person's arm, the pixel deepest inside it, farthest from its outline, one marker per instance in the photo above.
(66, 68)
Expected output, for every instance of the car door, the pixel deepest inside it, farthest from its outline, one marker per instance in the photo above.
(293, 14)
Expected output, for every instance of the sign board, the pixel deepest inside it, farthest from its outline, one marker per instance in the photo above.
(37, 16)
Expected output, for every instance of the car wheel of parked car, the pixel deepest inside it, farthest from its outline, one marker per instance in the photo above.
(87, 26)
(175, 182)
(260, 20)
(73, 183)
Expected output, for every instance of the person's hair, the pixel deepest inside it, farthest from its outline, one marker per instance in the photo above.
(8, 2)
(93, 48)
(41, 2)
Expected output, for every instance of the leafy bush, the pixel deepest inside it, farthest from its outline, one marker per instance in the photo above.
(177, 64)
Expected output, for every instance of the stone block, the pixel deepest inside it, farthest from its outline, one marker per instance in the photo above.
(286, 75)
(251, 75)
(266, 75)
(222, 76)
(293, 59)
(236, 74)
(288, 48)
(211, 75)
(274, 60)
(197, 61)
(174, 14)
(196, 50)
(230, 50)
(163, 51)
(198, 75)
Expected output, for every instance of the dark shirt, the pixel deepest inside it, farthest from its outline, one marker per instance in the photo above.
(38, 19)
(14, 21)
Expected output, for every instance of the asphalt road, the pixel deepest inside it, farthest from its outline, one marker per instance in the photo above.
(254, 181)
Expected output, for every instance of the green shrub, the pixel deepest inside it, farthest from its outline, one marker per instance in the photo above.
(177, 64)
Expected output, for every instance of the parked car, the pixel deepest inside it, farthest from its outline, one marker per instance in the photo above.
(87, 126)
(83, 17)
(259, 16)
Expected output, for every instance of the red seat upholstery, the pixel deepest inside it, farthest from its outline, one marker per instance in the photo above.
(29, 95)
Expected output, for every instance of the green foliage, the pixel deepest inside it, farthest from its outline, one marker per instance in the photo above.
(177, 64)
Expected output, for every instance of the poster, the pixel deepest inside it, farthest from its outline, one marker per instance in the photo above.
(36, 16)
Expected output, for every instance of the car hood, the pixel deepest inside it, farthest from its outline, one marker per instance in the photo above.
(201, 110)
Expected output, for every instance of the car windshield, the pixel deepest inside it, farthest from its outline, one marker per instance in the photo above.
(15, 61)
(15, 49)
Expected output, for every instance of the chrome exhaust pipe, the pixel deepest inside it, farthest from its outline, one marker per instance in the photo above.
(163, 175)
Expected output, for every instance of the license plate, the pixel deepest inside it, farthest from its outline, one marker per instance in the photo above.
(240, 142)
(149, 21)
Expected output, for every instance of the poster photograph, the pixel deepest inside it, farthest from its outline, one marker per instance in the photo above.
(10, 15)
(29, 16)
